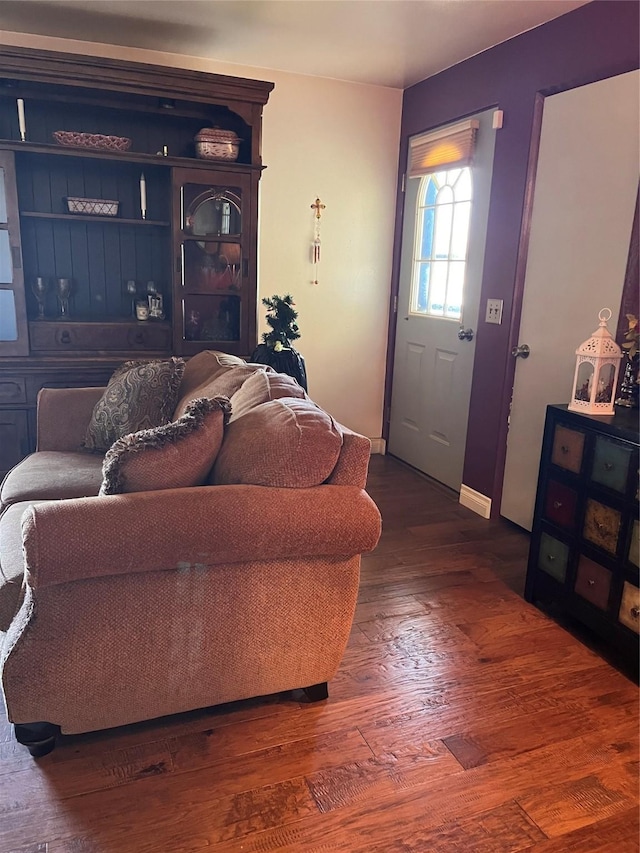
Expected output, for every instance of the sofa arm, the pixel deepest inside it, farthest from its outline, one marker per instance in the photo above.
(182, 529)
(63, 417)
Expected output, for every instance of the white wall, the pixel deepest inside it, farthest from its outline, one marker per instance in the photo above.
(338, 141)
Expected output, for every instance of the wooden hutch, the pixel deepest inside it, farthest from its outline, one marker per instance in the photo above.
(185, 228)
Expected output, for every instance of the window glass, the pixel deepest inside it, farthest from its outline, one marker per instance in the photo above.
(8, 321)
(3, 198)
(441, 242)
(6, 266)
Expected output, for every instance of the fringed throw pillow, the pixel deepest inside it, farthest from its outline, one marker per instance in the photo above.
(173, 456)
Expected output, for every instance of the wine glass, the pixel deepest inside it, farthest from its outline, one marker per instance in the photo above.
(63, 290)
(39, 288)
(132, 289)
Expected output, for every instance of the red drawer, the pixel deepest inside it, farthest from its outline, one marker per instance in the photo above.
(560, 504)
(593, 582)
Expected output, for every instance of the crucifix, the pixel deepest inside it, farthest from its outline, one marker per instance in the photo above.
(318, 206)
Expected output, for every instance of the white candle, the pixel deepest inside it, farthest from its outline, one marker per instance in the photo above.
(143, 196)
(21, 122)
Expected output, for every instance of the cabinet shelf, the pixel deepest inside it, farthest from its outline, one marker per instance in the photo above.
(128, 156)
(81, 217)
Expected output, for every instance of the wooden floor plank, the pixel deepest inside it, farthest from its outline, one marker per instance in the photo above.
(461, 719)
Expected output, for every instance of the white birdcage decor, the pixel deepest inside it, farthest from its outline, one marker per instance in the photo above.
(597, 367)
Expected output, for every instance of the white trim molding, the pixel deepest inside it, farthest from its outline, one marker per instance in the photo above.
(378, 445)
(473, 500)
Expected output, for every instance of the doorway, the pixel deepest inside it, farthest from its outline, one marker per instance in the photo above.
(438, 307)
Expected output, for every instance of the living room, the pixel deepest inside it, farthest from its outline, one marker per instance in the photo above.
(344, 142)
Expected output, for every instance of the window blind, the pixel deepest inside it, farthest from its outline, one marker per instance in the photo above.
(445, 148)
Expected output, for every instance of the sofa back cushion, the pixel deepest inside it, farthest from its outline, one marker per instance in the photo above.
(204, 366)
(176, 455)
(288, 443)
(223, 383)
(140, 395)
(261, 387)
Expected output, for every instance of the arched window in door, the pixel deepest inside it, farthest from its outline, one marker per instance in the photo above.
(441, 241)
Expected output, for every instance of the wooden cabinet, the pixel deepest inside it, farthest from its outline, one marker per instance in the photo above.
(151, 222)
(583, 560)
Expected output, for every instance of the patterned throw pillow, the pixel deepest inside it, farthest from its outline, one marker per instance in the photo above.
(140, 395)
(173, 456)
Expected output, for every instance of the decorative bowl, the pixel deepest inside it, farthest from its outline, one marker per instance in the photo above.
(215, 144)
(93, 206)
(92, 140)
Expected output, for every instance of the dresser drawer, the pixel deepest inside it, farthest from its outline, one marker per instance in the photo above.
(568, 448)
(560, 504)
(629, 613)
(602, 525)
(12, 391)
(593, 582)
(553, 556)
(611, 462)
(67, 337)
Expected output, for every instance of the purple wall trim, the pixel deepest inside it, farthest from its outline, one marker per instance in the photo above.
(596, 41)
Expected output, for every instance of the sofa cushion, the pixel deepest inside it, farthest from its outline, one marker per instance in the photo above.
(261, 387)
(204, 366)
(289, 443)
(223, 384)
(53, 475)
(11, 562)
(173, 456)
(140, 395)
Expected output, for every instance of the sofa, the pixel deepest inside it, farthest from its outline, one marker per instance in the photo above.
(210, 558)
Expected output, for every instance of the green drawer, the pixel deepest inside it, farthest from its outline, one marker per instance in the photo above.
(611, 464)
(553, 557)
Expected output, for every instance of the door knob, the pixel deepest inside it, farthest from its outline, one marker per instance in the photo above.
(465, 334)
(521, 351)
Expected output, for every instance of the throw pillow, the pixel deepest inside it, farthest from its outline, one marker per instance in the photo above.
(203, 367)
(173, 456)
(224, 383)
(140, 395)
(287, 443)
(261, 387)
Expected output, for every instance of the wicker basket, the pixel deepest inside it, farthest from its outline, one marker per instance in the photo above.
(92, 140)
(215, 144)
(93, 206)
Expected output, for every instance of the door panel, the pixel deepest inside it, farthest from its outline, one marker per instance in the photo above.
(585, 193)
(432, 366)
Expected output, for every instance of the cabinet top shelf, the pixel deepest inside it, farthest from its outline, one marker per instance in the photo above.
(127, 156)
(82, 217)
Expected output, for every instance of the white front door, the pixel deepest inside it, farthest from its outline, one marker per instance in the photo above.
(438, 299)
(585, 193)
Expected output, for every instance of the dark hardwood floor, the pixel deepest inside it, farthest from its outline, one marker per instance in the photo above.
(462, 719)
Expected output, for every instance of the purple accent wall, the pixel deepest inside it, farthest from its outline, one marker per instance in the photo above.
(596, 41)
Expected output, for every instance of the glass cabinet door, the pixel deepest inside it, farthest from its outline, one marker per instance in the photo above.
(212, 247)
(13, 318)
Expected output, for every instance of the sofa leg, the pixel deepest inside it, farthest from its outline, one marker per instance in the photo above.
(317, 692)
(39, 738)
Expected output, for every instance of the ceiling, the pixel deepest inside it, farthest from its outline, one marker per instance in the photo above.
(383, 42)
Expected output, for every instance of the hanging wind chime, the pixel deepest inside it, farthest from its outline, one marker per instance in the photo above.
(318, 207)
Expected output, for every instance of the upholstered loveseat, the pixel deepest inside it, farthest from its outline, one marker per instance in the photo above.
(130, 589)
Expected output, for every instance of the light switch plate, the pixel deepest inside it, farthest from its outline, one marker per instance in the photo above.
(494, 311)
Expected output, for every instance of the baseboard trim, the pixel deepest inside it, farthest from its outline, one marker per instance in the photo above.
(474, 501)
(378, 445)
